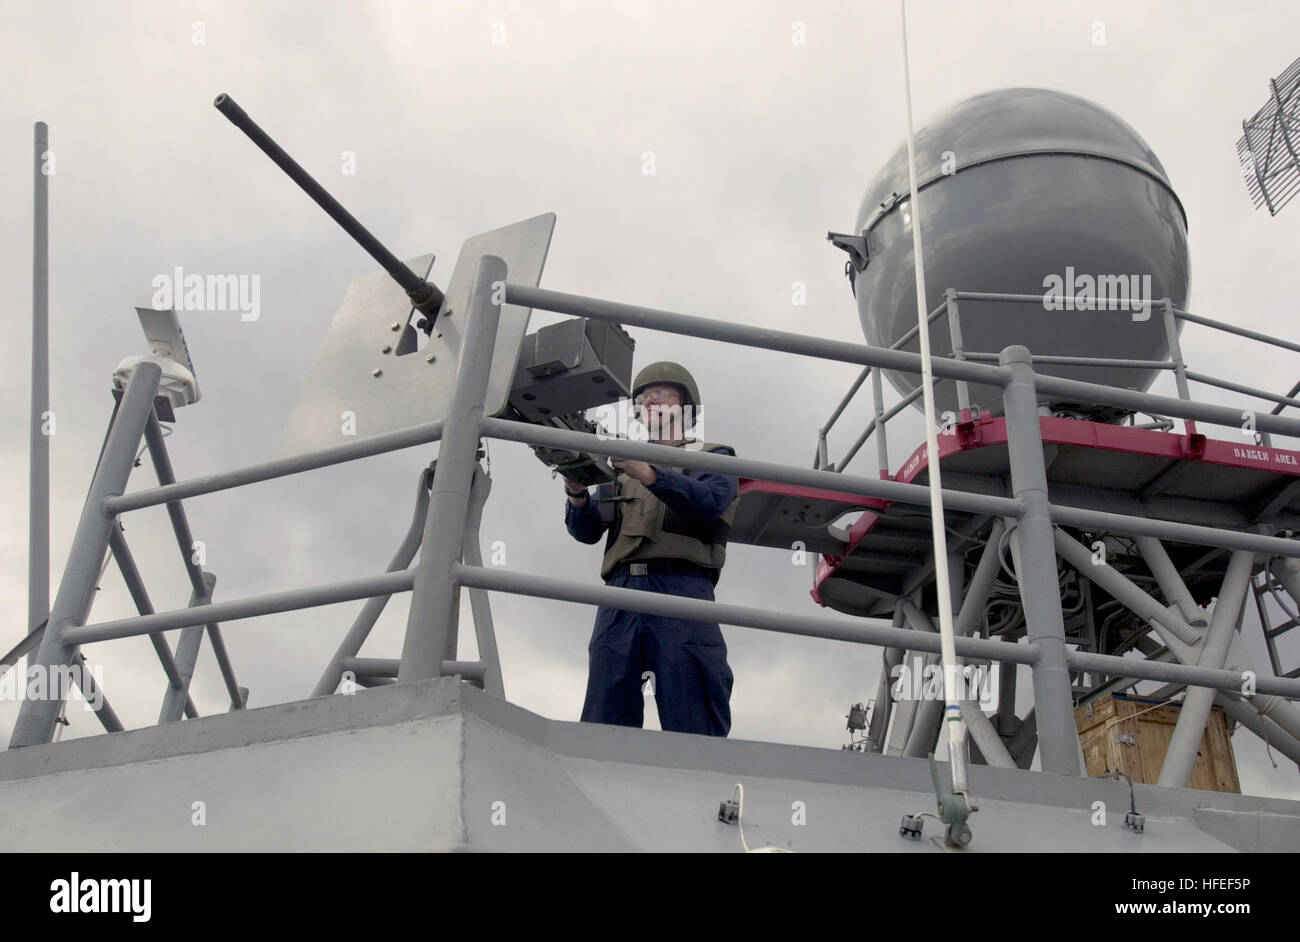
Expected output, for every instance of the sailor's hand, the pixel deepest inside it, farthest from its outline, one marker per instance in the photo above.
(572, 487)
(636, 469)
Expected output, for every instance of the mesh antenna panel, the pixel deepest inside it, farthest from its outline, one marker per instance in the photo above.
(1270, 144)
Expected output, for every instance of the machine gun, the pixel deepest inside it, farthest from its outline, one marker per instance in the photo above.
(565, 369)
(562, 371)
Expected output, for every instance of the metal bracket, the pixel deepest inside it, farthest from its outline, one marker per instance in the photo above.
(954, 809)
(855, 245)
(1194, 446)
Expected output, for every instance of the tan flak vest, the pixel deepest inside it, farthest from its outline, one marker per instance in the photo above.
(648, 529)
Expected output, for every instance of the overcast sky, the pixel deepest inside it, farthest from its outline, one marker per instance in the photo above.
(463, 117)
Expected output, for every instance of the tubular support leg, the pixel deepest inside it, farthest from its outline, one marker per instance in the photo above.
(1058, 739)
(176, 699)
(890, 658)
(985, 736)
(434, 590)
(480, 605)
(1249, 716)
(371, 611)
(1176, 634)
(1186, 738)
(135, 585)
(970, 619)
(927, 715)
(37, 718)
(90, 690)
(1171, 583)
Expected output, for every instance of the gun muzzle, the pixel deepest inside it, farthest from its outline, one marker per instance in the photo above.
(425, 296)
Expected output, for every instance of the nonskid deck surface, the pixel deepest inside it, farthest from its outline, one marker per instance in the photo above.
(439, 765)
(1179, 477)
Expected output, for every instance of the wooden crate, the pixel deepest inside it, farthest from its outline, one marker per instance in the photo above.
(1120, 733)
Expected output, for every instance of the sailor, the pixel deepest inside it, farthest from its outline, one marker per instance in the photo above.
(666, 531)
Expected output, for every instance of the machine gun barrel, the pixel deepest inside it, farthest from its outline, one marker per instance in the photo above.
(425, 296)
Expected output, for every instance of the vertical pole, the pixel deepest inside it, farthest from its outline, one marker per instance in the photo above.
(927, 734)
(1176, 355)
(36, 718)
(433, 599)
(1034, 543)
(1186, 738)
(953, 722)
(38, 531)
(882, 444)
(958, 348)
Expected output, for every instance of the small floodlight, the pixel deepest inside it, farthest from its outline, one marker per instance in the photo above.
(167, 348)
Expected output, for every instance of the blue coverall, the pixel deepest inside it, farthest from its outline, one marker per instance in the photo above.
(692, 681)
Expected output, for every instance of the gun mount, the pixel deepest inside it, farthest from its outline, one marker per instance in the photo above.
(549, 377)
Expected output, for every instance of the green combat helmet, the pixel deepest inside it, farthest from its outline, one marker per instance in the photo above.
(666, 371)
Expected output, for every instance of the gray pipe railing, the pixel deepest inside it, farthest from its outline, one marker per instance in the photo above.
(433, 580)
(1175, 363)
(872, 631)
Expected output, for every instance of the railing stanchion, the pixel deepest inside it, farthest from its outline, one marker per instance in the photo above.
(882, 443)
(1176, 355)
(1034, 546)
(433, 601)
(958, 353)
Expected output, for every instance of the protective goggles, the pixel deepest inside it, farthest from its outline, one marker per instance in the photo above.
(657, 395)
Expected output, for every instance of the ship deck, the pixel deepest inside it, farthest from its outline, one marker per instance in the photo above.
(440, 765)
